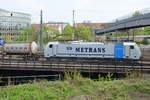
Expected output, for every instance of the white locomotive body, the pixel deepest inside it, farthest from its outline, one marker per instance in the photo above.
(127, 50)
(20, 48)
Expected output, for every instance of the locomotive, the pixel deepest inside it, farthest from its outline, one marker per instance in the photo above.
(126, 50)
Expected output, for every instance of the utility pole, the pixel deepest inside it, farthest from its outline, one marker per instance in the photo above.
(41, 29)
(133, 34)
(73, 29)
(128, 34)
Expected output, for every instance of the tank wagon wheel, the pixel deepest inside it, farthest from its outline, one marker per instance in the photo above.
(51, 59)
(25, 58)
(32, 58)
(36, 58)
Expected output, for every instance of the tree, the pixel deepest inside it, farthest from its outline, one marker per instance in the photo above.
(49, 34)
(8, 38)
(22, 37)
(146, 41)
(36, 32)
(136, 31)
(82, 32)
(67, 32)
(26, 35)
(136, 13)
(146, 30)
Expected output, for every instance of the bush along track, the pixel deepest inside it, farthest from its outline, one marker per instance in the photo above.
(75, 87)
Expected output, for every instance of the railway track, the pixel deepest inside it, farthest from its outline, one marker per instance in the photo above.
(84, 65)
(40, 63)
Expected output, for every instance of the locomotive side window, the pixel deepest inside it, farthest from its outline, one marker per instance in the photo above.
(131, 47)
(50, 46)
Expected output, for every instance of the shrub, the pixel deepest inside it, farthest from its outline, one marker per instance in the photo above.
(146, 41)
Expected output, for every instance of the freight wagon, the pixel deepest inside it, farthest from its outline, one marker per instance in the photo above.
(22, 48)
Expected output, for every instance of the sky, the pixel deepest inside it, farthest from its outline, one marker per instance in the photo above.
(99, 11)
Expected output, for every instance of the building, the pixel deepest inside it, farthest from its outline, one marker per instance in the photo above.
(57, 25)
(92, 25)
(12, 22)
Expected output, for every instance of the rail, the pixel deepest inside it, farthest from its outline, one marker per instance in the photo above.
(145, 54)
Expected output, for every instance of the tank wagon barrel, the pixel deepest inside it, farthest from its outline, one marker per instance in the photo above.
(20, 48)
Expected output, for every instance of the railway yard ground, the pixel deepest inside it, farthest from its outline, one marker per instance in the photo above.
(135, 86)
(61, 64)
(17, 66)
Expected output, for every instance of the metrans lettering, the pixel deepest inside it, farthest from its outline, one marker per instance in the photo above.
(91, 50)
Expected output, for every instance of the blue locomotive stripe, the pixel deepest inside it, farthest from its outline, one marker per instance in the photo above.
(118, 51)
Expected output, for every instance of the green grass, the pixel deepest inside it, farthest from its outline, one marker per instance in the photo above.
(75, 87)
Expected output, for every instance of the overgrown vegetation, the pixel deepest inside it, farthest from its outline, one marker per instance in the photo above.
(146, 41)
(75, 87)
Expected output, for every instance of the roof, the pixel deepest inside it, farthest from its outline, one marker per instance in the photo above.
(57, 23)
(129, 43)
(92, 24)
(46, 25)
(54, 26)
(3, 10)
(74, 42)
(37, 25)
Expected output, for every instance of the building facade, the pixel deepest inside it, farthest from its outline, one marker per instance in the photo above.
(57, 25)
(11, 23)
(92, 25)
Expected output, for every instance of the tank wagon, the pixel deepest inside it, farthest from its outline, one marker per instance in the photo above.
(126, 50)
(23, 48)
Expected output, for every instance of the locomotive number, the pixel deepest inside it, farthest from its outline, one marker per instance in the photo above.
(69, 48)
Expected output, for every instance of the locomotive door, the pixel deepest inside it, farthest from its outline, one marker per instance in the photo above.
(132, 52)
(50, 51)
(127, 51)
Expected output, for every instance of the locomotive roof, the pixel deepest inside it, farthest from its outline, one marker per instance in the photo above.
(75, 42)
(129, 43)
(81, 42)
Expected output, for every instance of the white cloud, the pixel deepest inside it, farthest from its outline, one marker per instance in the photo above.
(61, 10)
(81, 4)
(30, 6)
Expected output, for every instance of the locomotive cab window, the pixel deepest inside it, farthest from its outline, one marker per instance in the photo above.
(131, 47)
(50, 46)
